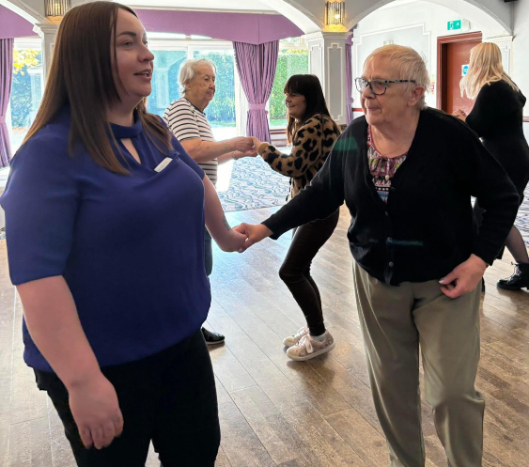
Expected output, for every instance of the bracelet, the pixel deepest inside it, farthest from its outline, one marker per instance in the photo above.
(233, 155)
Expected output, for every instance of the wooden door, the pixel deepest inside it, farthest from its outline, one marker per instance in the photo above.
(454, 53)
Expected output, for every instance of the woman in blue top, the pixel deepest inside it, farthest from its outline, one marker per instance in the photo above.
(105, 230)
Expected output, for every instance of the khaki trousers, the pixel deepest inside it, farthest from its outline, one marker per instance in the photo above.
(395, 321)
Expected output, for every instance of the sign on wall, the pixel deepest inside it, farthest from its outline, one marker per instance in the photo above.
(453, 25)
(458, 24)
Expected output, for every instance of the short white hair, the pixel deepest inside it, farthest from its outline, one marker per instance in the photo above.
(188, 70)
(410, 64)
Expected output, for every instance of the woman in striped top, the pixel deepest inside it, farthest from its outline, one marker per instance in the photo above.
(185, 117)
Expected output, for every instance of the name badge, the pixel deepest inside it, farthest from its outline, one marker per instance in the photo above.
(162, 165)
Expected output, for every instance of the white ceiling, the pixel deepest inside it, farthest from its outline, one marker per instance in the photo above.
(206, 5)
(396, 3)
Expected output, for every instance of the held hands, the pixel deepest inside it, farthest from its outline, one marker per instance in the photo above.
(240, 155)
(234, 241)
(242, 144)
(252, 234)
(256, 142)
(95, 409)
(464, 278)
(460, 114)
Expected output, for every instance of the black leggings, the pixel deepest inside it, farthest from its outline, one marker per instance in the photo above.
(295, 271)
(168, 398)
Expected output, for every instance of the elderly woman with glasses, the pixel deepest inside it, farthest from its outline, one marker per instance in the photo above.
(407, 174)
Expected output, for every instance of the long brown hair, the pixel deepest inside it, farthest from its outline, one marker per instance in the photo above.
(81, 76)
(308, 86)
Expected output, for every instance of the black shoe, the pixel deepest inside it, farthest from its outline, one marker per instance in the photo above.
(212, 338)
(519, 279)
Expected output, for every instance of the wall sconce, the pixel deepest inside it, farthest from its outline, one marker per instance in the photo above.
(54, 10)
(334, 13)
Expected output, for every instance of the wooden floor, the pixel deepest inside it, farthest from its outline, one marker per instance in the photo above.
(275, 412)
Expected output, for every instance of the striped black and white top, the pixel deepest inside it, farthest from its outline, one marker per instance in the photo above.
(188, 122)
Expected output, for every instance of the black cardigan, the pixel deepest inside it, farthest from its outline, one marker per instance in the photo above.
(426, 229)
(497, 117)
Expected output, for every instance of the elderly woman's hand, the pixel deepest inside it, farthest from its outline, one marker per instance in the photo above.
(239, 155)
(242, 144)
(460, 114)
(464, 278)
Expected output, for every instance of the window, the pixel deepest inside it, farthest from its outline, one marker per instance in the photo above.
(221, 110)
(168, 57)
(293, 59)
(26, 91)
(165, 88)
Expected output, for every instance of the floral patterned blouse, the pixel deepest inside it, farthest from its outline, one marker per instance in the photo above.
(382, 168)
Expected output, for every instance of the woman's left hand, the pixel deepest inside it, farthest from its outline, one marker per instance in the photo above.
(464, 278)
(256, 142)
(460, 114)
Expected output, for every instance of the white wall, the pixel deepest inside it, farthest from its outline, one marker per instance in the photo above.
(520, 48)
(419, 24)
(495, 13)
(416, 24)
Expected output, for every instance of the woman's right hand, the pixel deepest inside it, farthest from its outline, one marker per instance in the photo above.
(95, 409)
(253, 233)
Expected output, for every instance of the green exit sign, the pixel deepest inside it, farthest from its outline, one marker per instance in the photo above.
(452, 25)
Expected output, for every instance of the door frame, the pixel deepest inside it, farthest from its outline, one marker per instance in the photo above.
(442, 42)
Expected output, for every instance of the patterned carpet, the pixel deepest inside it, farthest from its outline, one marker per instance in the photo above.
(254, 185)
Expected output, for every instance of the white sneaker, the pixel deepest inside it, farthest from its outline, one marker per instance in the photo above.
(295, 338)
(309, 347)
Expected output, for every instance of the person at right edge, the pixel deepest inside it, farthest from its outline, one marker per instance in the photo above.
(497, 118)
(407, 174)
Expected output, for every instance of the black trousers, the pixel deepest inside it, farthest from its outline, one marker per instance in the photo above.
(168, 398)
(295, 271)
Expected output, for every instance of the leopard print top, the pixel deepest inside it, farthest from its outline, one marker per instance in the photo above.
(311, 146)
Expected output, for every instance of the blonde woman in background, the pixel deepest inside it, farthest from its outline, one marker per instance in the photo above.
(497, 118)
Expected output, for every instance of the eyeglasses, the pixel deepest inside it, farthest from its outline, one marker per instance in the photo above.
(378, 86)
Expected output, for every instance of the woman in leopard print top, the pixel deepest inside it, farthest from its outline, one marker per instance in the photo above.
(312, 132)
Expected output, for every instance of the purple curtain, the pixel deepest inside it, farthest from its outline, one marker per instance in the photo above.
(256, 65)
(349, 78)
(6, 78)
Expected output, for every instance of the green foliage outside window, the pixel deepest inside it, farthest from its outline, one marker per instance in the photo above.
(26, 89)
(290, 62)
(165, 89)
(221, 110)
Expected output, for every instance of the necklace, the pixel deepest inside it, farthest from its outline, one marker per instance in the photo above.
(390, 152)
